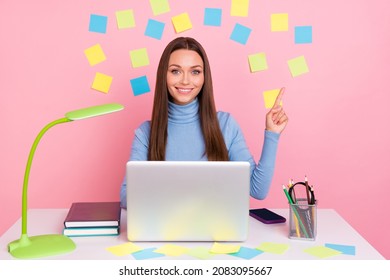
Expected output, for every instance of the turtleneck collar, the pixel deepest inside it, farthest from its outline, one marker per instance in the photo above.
(183, 113)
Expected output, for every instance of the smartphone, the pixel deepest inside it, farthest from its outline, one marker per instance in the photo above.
(266, 216)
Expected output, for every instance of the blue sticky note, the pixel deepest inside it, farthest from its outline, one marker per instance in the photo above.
(303, 35)
(154, 29)
(98, 23)
(247, 253)
(147, 254)
(240, 33)
(212, 17)
(140, 85)
(345, 249)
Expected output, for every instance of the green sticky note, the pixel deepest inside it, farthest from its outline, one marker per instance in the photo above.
(257, 62)
(274, 248)
(102, 82)
(200, 253)
(279, 22)
(298, 66)
(125, 19)
(95, 54)
(239, 8)
(181, 22)
(159, 6)
(139, 57)
(322, 252)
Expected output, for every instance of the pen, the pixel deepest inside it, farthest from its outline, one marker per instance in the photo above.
(308, 195)
(295, 211)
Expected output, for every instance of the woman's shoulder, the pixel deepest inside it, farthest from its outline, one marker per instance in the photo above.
(143, 128)
(225, 118)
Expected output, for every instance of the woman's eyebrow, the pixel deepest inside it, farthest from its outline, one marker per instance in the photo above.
(176, 65)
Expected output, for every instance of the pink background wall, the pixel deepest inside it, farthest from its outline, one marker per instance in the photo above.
(338, 132)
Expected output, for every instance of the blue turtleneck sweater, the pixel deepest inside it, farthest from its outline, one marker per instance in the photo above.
(185, 143)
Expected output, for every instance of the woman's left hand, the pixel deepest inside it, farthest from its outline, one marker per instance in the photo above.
(276, 119)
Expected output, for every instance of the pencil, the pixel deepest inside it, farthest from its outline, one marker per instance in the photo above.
(296, 215)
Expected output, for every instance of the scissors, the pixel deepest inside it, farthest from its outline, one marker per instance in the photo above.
(294, 190)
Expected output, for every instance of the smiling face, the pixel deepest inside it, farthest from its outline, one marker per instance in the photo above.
(185, 76)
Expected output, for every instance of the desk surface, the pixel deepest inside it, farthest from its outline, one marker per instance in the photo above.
(332, 228)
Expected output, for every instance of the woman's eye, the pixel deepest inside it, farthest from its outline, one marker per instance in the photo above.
(175, 71)
(196, 72)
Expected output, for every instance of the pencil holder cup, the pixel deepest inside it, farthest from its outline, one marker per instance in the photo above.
(303, 220)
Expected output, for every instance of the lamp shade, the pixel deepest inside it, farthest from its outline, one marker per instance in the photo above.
(93, 111)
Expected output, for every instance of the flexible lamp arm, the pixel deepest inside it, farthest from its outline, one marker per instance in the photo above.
(28, 168)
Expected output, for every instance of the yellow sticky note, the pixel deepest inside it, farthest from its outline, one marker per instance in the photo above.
(275, 248)
(125, 19)
(257, 62)
(279, 22)
(139, 57)
(270, 97)
(124, 249)
(239, 8)
(172, 250)
(219, 248)
(322, 252)
(298, 66)
(200, 253)
(181, 22)
(102, 82)
(95, 54)
(159, 6)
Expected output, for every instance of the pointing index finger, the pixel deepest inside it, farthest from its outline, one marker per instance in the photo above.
(279, 98)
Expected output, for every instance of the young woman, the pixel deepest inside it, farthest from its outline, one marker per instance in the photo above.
(186, 126)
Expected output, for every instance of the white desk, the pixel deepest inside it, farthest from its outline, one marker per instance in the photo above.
(332, 228)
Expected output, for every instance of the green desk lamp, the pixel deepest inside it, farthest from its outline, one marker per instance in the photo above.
(50, 244)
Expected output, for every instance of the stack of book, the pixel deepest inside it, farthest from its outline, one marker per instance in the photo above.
(93, 219)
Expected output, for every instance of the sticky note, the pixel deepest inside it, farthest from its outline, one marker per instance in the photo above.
(154, 29)
(102, 82)
(247, 253)
(257, 62)
(274, 248)
(270, 97)
(125, 19)
(298, 66)
(95, 54)
(124, 249)
(279, 22)
(303, 35)
(159, 6)
(212, 17)
(139, 57)
(200, 253)
(344, 249)
(239, 8)
(147, 254)
(98, 23)
(220, 248)
(322, 252)
(181, 22)
(240, 33)
(172, 250)
(140, 85)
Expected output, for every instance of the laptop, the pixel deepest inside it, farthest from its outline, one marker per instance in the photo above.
(187, 200)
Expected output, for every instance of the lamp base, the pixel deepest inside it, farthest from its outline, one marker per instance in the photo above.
(40, 246)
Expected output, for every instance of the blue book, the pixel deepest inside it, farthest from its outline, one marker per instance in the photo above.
(91, 231)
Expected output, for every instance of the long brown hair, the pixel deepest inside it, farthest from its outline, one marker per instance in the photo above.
(215, 145)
